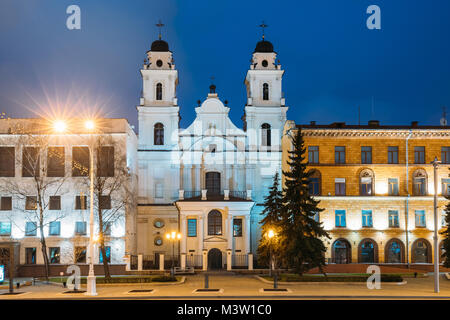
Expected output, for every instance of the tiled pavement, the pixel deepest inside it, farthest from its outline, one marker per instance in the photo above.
(245, 287)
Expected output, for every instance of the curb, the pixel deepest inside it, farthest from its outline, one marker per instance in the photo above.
(326, 282)
(183, 279)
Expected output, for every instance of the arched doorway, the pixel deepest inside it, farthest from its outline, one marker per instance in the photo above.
(367, 251)
(341, 252)
(394, 251)
(421, 251)
(214, 259)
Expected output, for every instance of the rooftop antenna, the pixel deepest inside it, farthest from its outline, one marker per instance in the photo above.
(160, 25)
(359, 115)
(263, 25)
(373, 111)
(444, 117)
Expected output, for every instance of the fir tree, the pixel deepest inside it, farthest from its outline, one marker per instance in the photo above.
(272, 216)
(446, 233)
(301, 235)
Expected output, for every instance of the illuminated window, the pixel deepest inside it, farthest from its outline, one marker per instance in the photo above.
(214, 223)
(54, 228)
(30, 229)
(339, 155)
(54, 255)
(192, 227)
(419, 154)
(340, 218)
(366, 155)
(80, 254)
(339, 186)
(367, 218)
(237, 227)
(5, 228)
(446, 187)
(80, 228)
(393, 186)
(313, 154)
(420, 218)
(366, 183)
(392, 155)
(393, 219)
(107, 253)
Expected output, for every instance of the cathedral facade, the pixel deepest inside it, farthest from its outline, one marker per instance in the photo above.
(208, 181)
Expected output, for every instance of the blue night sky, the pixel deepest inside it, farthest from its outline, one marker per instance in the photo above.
(333, 63)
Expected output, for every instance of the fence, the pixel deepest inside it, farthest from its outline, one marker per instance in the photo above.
(133, 262)
(149, 263)
(239, 261)
(194, 260)
(169, 259)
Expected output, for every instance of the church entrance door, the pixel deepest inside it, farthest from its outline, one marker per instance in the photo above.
(214, 259)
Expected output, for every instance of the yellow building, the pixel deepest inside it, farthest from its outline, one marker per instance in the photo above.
(376, 184)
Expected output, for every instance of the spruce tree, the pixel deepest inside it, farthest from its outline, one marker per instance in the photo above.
(446, 233)
(272, 216)
(301, 235)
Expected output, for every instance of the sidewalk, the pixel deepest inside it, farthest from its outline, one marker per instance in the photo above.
(246, 287)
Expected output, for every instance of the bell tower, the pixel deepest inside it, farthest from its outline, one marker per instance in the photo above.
(158, 111)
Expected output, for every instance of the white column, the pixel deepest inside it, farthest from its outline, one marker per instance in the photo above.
(161, 262)
(183, 233)
(250, 261)
(229, 266)
(247, 234)
(140, 259)
(183, 261)
(205, 259)
(230, 232)
(200, 233)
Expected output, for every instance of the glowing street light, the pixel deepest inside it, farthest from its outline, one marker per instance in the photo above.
(91, 279)
(59, 126)
(173, 236)
(89, 124)
(271, 234)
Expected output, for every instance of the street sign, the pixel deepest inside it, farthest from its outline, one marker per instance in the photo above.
(2, 273)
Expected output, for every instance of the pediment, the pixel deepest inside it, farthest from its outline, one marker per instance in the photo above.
(215, 239)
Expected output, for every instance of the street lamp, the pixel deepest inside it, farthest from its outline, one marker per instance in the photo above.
(271, 234)
(59, 126)
(91, 280)
(436, 163)
(173, 236)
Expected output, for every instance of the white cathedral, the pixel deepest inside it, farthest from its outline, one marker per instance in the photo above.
(208, 181)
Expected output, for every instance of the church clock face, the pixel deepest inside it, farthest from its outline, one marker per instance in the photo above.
(159, 63)
(265, 63)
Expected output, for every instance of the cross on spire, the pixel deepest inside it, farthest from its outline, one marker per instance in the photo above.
(160, 25)
(263, 25)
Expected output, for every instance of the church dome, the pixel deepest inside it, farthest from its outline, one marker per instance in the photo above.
(160, 45)
(264, 46)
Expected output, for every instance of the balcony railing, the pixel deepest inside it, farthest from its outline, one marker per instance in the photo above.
(227, 195)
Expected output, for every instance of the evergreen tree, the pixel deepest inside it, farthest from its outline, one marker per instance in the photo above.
(446, 233)
(300, 235)
(272, 216)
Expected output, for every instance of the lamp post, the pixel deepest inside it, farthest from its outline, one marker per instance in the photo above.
(173, 236)
(91, 280)
(271, 234)
(436, 163)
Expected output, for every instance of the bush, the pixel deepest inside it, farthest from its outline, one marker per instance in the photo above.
(164, 279)
(334, 278)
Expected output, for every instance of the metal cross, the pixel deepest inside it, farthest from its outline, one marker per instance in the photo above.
(160, 25)
(263, 25)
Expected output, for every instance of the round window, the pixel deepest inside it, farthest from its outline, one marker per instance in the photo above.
(159, 63)
(158, 241)
(158, 223)
(265, 63)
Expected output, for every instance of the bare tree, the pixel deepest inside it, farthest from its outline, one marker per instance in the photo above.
(40, 183)
(113, 194)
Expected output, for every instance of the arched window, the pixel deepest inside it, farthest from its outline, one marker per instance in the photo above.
(366, 179)
(368, 251)
(265, 91)
(314, 183)
(341, 252)
(394, 251)
(159, 91)
(212, 183)
(419, 182)
(421, 251)
(159, 134)
(214, 223)
(266, 135)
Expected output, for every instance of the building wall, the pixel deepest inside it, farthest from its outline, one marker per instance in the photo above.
(406, 203)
